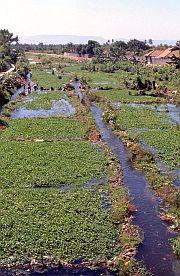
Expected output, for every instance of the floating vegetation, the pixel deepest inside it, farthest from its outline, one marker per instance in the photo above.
(176, 245)
(44, 101)
(142, 118)
(127, 96)
(41, 128)
(46, 79)
(59, 108)
(167, 142)
(64, 225)
(36, 164)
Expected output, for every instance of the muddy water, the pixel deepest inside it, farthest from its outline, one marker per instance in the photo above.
(155, 250)
(78, 93)
(16, 94)
(59, 108)
(62, 271)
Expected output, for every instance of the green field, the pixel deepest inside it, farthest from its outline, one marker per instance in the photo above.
(167, 141)
(42, 164)
(95, 79)
(41, 128)
(140, 118)
(46, 207)
(49, 205)
(127, 96)
(63, 225)
(47, 80)
(44, 101)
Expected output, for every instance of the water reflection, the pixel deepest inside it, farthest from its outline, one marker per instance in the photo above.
(59, 108)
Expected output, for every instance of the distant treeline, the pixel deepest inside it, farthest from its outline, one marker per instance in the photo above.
(93, 47)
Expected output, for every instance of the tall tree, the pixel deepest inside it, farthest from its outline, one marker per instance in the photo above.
(6, 37)
(150, 42)
(7, 54)
(92, 44)
(137, 46)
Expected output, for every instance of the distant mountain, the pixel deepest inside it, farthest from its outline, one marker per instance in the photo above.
(60, 39)
(168, 42)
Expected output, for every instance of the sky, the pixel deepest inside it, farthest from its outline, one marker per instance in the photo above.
(111, 19)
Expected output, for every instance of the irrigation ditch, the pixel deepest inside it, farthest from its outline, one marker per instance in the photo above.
(155, 250)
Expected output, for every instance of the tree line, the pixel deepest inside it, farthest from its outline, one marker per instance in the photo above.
(92, 47)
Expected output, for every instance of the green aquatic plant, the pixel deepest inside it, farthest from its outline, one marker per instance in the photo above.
(167, 142)
(176, 245)
(45, 128)
(129, 117)
(127, 96)
(43, 164)
(44, 101)
(65, 225)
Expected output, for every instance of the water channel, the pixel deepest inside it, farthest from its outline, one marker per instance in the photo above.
(155, 251)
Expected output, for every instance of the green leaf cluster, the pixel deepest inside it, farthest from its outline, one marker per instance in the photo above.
(43, 164)
(67, 225)
(45, 128)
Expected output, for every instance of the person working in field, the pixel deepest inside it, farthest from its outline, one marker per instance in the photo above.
(29, 87)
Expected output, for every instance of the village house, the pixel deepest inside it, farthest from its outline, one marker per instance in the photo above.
(161, 57)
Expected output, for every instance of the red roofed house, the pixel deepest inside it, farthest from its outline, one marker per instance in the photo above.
(161, 57)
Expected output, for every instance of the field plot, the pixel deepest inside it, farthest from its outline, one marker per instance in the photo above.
(153, 124)
(49, 204)
(45, 104)
(167, 141)
(47, 80)
(31, 164)
(95, 79)
(45, 128)
(44, 100)
(61, 196)
(129, 117)
(66, 225)
(127, 96)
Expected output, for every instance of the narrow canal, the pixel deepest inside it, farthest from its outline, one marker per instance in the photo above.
(155, 251)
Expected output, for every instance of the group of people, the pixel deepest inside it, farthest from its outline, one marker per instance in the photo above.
(29, 86)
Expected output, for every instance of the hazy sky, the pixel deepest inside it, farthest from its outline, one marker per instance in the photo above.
(156, 19)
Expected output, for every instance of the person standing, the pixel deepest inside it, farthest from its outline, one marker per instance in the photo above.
(29, 87)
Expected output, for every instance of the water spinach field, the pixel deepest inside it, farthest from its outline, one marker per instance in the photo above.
(89, 181)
